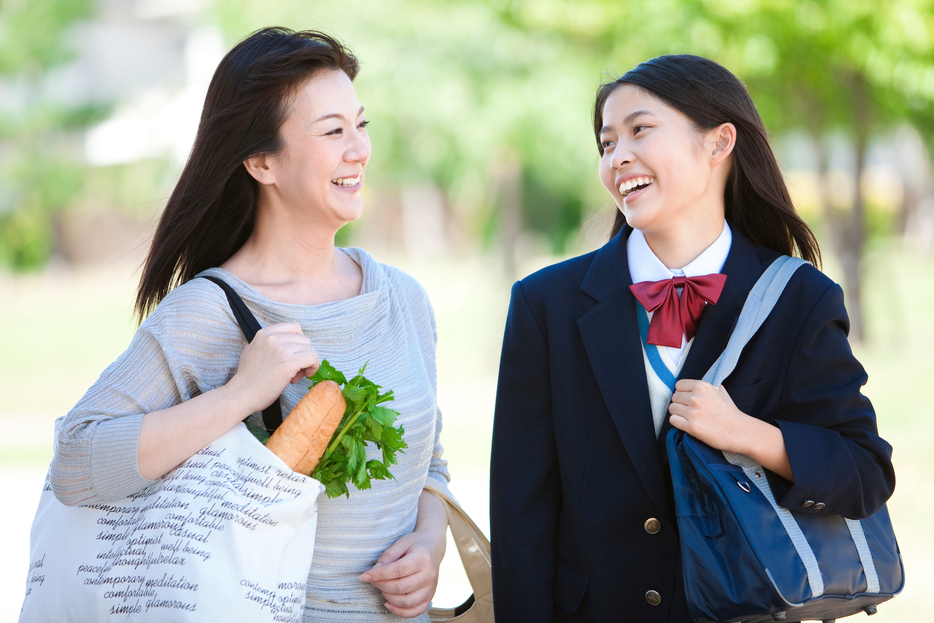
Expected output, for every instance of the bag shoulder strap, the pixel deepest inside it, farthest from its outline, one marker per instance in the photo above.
(474, 550)
(272, 415)
(756, 309)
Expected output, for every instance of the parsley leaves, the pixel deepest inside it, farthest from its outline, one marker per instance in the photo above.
(365, 420)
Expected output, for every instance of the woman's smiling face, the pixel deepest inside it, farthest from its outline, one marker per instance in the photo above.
(656, 165)
(325, 151)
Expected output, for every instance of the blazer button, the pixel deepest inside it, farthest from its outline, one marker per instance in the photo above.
(653, 598)
(808, 503)
(819, 505)
(652, 525)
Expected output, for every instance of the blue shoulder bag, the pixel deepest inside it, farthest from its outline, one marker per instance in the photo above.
(747, 559)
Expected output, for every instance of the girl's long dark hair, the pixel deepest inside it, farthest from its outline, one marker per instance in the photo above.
(211, 211)
(756, 199)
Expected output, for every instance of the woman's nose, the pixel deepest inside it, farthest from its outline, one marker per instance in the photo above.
(360, 150)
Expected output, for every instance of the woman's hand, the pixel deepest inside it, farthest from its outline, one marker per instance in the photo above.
(278, 355)
(407, 573)
(708, 413)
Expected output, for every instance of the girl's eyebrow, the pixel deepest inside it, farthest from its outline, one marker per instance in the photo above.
(633, 115)
(627, 120)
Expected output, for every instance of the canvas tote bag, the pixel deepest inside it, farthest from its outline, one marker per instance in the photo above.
(226, 536)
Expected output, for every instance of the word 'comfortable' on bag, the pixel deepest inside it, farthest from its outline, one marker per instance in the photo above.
(746, 558)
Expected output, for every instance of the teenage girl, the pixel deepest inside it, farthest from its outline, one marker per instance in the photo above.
(582, 516)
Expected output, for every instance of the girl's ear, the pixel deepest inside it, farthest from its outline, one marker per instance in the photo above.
(724, 139)
(259, 167)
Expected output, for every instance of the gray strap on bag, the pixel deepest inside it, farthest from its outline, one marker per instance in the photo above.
(756, 309)
(758, 306)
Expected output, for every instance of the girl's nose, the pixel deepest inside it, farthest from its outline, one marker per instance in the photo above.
(622, 156)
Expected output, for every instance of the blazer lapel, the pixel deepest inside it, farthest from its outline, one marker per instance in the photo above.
(742, 268)
(611, 339)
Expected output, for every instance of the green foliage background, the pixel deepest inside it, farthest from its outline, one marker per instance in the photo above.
(471, 95)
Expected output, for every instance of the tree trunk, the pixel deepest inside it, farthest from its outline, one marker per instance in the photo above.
(847, 229)
(847, 234)
(508, 185)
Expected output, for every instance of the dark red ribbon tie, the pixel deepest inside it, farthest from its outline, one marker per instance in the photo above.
(675, 316)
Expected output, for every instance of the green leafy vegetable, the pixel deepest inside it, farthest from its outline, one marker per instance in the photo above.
(364, 421)
(258, 431)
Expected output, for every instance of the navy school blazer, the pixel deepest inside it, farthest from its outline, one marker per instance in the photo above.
(582, 518)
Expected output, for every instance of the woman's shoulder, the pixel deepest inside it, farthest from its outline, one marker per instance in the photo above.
(197, 303)
(403, 283)
(377, 275)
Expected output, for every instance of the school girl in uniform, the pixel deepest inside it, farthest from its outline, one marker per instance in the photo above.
(582, 518)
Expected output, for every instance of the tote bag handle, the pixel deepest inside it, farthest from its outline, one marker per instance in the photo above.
(474, 550)
(272, 415)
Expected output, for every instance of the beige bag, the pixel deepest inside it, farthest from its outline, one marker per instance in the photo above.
(474, 550)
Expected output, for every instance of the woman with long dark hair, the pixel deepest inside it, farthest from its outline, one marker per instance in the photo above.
(602, 352)
(277, 168)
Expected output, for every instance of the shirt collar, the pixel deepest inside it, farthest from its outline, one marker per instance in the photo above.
(644, 265)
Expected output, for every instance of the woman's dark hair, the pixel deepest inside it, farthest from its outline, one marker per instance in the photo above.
(210, 213)
(756, 199)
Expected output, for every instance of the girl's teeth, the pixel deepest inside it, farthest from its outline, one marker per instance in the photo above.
(347, 181)
(626, 187)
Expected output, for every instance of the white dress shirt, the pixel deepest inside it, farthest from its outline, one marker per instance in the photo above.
(644, 265)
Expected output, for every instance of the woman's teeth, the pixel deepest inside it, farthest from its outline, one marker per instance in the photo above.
(636, 183)
(347, 181)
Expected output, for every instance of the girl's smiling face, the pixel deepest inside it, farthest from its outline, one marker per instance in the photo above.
(664, 175)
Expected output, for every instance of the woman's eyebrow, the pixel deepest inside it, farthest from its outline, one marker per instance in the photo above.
(336, 115)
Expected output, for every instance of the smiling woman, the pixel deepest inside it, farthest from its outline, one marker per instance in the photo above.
(277, 168)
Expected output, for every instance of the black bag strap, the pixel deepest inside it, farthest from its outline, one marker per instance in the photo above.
(272, 415)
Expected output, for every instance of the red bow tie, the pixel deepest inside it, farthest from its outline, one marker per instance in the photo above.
(674, 317)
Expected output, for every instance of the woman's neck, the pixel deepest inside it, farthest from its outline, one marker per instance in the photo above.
(295, 262)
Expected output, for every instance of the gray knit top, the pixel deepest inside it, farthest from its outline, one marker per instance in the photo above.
(191, 344)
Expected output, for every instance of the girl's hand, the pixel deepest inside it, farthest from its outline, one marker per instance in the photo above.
(278, 355)
(407, 573)
(708, 413)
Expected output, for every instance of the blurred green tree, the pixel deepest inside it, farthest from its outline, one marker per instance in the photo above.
(40, 166)
(494, 116)
(827, 67)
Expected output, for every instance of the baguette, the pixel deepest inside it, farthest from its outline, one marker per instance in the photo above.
(303, 436)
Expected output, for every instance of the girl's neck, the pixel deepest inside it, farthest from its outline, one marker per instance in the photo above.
(679, 247)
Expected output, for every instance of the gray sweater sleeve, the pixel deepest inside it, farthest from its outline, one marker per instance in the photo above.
(438, 467)
(186, 347)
